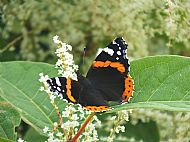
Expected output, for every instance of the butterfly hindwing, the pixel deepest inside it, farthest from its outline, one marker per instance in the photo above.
(80, 92)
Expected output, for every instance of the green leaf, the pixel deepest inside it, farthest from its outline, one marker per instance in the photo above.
(161, 82)
(19, 86)
(33, 136)
(5, 140)
(9, 119)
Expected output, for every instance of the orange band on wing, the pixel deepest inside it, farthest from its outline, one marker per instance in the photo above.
(68, 87)
(129, 88)
(97, 108)
(120, 67)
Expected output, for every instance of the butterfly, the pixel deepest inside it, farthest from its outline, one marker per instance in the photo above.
(108, 79)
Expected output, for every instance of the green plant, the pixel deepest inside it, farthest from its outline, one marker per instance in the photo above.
(150, 27)
(159, 84)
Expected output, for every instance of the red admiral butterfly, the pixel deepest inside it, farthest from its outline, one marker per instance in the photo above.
(108, 79)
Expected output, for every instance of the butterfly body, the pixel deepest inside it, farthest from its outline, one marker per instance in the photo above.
(108, 79)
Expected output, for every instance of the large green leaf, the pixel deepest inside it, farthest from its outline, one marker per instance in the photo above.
(19, 86)
(161, 82)
(9, 119)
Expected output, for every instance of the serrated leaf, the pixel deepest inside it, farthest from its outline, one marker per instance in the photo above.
(19, 86)
(161, 82)
(9, 119)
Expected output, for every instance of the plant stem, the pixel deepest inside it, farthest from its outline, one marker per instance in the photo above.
(74, 139)
(11, 43)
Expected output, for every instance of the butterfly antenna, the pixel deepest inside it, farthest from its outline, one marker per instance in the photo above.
(84, 51)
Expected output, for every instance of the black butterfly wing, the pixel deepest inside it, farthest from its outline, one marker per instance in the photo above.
(80, 92)
(107, 80)
(89, 97)
(109, 72)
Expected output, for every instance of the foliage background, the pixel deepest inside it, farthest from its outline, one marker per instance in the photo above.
(150, 27)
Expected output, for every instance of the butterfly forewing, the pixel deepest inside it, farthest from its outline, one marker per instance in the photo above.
(65, 88)
(109, 71)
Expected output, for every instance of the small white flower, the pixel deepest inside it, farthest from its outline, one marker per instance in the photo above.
(55, 39)
(69, 47)
(59, 63)
(60, 71)
(46, 129)
(59, 134)
(20, 140)
(51, 135)
(75, 67)
(122, 128)
(42, 88)
(74, 117)
(98, 122)
(41, 74)
(65, 114)
(43, 78)
(55, 124)
(52, 97)
(110, 139)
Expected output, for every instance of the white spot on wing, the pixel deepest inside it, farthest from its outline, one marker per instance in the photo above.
(57, 81)
(109, 51)
(118, 52)
(114, 42)
(117, 58)
(59, 89)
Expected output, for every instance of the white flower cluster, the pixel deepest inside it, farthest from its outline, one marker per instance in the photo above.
(90, 133)
(43, 79)
(118, 120)
(74, 115)
(73, 120)
(65, 63)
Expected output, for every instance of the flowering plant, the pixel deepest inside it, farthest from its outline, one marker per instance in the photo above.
(74, 114)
